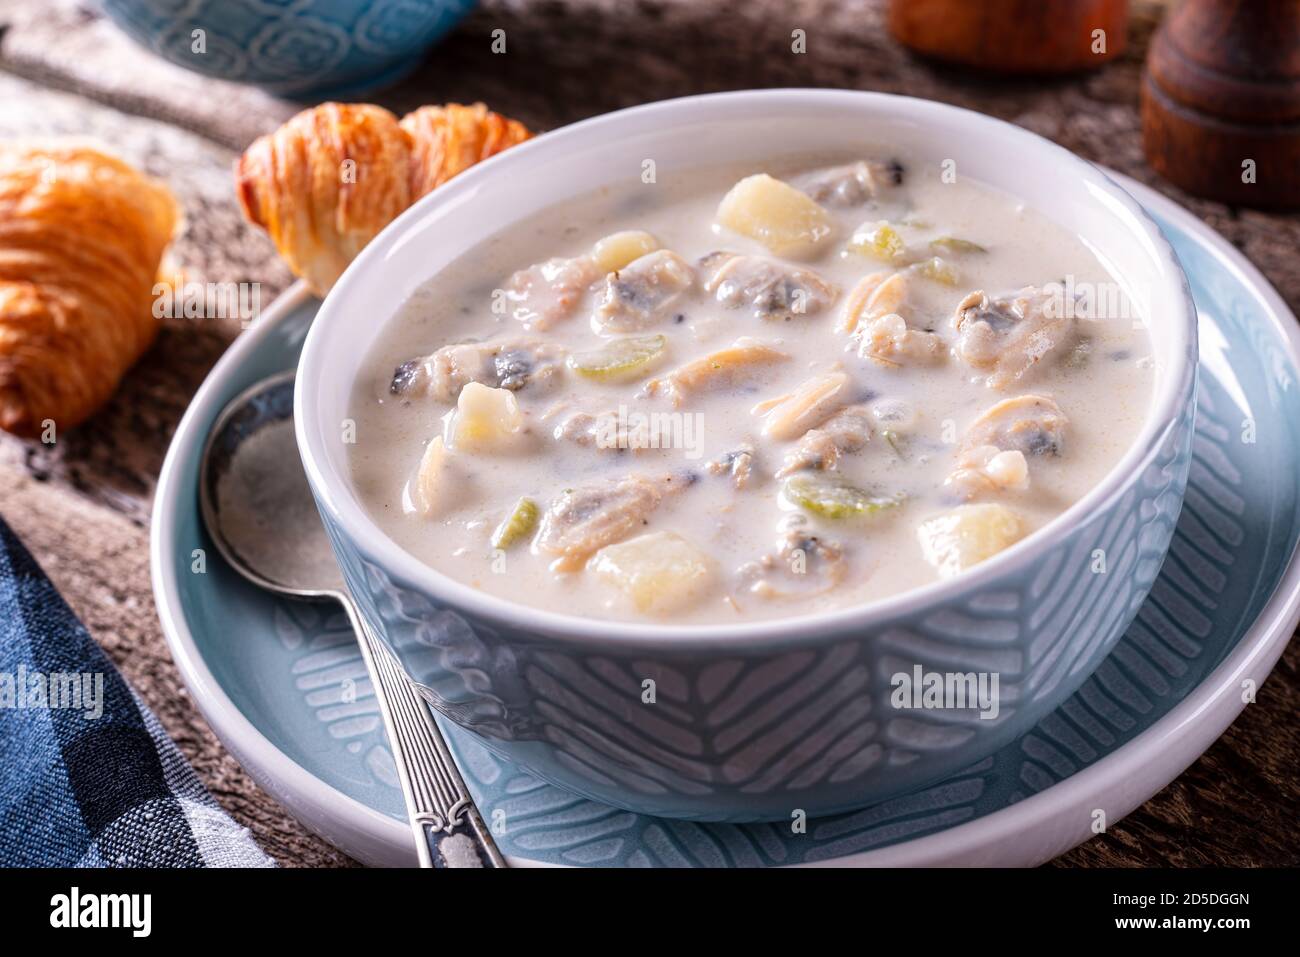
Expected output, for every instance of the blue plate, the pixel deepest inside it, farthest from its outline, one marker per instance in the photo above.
(284, 686)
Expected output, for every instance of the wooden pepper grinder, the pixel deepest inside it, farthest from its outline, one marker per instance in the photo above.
(1221, 101)
(1013, 36)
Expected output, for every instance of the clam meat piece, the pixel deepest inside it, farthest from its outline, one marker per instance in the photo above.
(873, 316)
(643, 293)
(875, 295)
(606, 431)
(550, 292)
(442, 375)
(718, 370)
(847, 431)
(812, 403)
(772, 291)
(738, 463)
(988, 469)
(1031, 424)
(888, 341)
(804, 564)
(853, 183)
(581, 521)
(505, 364)
(1005, 338)
(581, 428)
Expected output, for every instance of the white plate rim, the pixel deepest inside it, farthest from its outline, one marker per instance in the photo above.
(1027, 833)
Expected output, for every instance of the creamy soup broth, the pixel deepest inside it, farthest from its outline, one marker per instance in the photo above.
(834, 439)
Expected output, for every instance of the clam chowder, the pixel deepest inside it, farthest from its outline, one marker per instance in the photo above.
(746, 393)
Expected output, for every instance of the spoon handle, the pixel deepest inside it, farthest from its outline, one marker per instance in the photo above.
(449, 831)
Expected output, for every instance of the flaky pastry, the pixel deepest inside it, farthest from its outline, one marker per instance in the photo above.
(82, 236)
(330, 179)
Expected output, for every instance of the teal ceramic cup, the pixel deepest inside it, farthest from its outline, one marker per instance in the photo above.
(306, 48)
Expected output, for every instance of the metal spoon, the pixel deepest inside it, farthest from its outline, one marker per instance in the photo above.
(260, 513)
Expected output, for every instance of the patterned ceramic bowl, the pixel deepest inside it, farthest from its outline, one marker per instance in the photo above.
(763, 720)
(291, 47)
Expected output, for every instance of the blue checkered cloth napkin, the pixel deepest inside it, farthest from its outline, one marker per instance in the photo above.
(88, 777)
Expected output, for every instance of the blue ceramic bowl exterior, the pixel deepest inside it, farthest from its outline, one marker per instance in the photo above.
(291, 47)
(806, 723)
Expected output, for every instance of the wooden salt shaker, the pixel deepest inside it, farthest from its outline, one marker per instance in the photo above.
(1221, 101)
(1013, 36)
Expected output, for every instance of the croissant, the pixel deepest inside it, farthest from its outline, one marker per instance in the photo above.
(450, 139)
(331, 178)
(82, 236)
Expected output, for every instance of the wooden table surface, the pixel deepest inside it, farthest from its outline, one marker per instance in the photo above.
(82, 506)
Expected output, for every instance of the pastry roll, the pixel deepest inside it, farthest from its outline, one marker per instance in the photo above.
(324, 184)
(329, 180)
(82, 236)
(449, 139)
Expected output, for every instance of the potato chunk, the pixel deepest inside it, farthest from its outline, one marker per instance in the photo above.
(660, 571)
(785, 220)
(429, 489)
(485, 420)
(621, 249)
(956, 540)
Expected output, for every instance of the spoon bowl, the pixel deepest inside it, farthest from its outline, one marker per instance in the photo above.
(255, 500)
(260, 515)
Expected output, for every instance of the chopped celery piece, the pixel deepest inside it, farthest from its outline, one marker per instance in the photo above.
(830, 496)
(619, 358)
(516, 526)
(954, 245)
(937, 270)
(879, 240)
